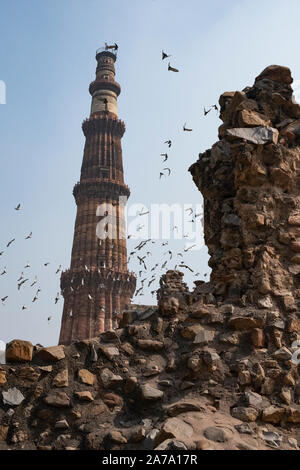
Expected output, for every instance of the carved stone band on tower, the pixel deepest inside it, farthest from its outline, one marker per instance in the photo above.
(98, 285)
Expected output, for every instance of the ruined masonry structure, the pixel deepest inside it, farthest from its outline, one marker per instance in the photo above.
(98, 286)
(250, 184)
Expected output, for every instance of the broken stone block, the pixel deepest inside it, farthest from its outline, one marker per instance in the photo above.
(150, 393)
(12, 397)
(272, 414)
(174, 428)
(260, 135)
(52, 354)
(61, 379)
(18, 351)
(86, 377)
(57, 399)
(109, 379)
(247, 414)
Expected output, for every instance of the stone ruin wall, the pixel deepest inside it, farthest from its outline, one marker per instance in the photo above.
(208, 369)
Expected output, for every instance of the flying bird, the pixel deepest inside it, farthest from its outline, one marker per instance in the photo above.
(29, 236)
(34, 282)
(10, 242)
(46, 264)
(1, 253)
(115, 46)
(58, 269)
(172, 69)
(4, 299)
(169, 142)
(18, 207)
(164, 155)
(189, 248)
(24, 307)
(206, 112)
(164, 55)
(185, 266)
(4, 271)
(35, 298)
(27, 265)
(186, 128)
(57, 298)
(21, 283)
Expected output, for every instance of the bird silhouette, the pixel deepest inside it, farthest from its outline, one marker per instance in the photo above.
(164, 55)
(186, 129)
(206, 112)
(4, 271)
(18, 207)
(172, 69)
(189, 248)
(58, 269)
(57, 298)
(28, 236)
(114, 46)
(164, 155)
(10, 242)
(4, 299)
(169, 142)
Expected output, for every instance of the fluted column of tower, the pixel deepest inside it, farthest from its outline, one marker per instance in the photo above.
(98, 286)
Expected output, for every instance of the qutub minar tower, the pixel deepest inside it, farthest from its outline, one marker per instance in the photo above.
(98, 286)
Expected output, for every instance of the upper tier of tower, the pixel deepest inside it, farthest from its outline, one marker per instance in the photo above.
(104, 89)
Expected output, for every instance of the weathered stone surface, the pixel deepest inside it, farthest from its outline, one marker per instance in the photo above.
(3, 432)
(150, 393)
(174, 428)
(183, 407)
(86, 377)
(52, 354)
(57, 399)
(191, 332)
(116, 436)
(257, 135)
(2, 377)
(245, 414)
(272, 414)
(150, 345)
(61, 379)
(18, 351)
(217, 434)
(12, 397)
(109, 379)
(111, 352)
(85, 396)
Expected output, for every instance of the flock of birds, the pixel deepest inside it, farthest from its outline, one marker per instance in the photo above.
(23, 279)
(185, 129)
(142, 258)
(144, 279)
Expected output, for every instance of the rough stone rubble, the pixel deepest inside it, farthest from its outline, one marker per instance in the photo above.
(209, 369)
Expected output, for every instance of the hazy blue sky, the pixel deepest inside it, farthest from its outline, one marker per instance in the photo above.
(47, 60)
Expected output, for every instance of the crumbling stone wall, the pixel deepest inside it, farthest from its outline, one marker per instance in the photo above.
(250, 183)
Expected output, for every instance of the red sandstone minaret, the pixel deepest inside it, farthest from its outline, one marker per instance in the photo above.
(98, 285)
